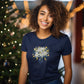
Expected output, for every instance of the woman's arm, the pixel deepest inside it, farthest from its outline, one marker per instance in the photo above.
(68, 69)
(23, 69)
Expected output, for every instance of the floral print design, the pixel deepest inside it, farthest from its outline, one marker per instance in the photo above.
(41, 53)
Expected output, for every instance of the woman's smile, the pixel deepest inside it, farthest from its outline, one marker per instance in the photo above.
(44, 23)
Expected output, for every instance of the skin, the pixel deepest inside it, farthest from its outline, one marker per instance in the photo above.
(68, 69)
(23, 69)
(45, 21)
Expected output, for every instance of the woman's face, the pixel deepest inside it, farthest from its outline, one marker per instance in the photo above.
(45, 19)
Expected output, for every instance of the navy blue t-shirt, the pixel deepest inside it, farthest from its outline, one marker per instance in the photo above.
(43, 56)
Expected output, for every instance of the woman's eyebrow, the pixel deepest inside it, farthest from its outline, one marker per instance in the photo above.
(42, 11)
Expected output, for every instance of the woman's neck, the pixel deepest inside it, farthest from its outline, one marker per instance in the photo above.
(42, 34)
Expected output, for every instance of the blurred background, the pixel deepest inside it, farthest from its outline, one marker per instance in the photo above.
(14, 24)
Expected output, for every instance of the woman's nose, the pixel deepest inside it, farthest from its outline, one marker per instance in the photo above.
(45, 18)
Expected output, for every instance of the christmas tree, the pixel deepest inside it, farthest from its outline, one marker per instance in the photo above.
(10, 44)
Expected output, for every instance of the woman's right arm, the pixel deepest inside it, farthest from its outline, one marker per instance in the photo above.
(23, 69)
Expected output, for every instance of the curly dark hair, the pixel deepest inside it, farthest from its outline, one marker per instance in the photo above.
(59, 13)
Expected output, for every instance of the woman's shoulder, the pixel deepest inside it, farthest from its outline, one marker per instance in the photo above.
(29, 34)
(64, 37)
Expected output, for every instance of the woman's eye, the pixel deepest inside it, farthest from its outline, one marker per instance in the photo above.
(41, 13)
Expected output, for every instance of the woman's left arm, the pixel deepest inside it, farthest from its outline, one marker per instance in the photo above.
(68, 69)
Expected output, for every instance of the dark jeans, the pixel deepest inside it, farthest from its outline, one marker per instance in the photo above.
(51, 82)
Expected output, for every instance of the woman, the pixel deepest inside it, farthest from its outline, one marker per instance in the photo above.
(41, 50)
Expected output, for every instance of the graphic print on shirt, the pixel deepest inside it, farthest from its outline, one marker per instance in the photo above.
(41, 53)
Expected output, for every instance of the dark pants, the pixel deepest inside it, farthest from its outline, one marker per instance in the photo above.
(51, 82)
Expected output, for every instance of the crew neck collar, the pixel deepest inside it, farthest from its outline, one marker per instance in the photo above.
(42, 39)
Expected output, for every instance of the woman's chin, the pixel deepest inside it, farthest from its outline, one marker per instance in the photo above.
(44, 28)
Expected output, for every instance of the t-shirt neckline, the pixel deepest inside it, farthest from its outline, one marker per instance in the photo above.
(44, 38)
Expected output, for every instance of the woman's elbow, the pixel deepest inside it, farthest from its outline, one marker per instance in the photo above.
(24, 69)
(68, 70)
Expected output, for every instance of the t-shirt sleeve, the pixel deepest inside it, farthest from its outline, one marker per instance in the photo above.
(67, 48)
(23, 47)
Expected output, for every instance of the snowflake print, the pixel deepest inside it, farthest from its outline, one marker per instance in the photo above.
(41, 53)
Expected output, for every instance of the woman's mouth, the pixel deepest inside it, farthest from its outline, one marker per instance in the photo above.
(44, 23)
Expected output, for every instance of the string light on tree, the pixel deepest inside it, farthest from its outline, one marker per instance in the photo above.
(13, 57)
(2, 71)
(12, 42)
(6, 2)
(18, 52)
(4, 28)
(5, 16)
(1, 32)
(15, 64)
(10, 53)
(5, 25)
(2, 7)
(9, 80)
(6, 5)
(4, 44)
(8, 43)
(19, 44)
(8, 29)
(13, 45)
(10, 70)
(7, 11)
(15, 41)
(1, 55)
(12, 33)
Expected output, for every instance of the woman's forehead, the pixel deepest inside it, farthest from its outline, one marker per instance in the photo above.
(44, 9)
